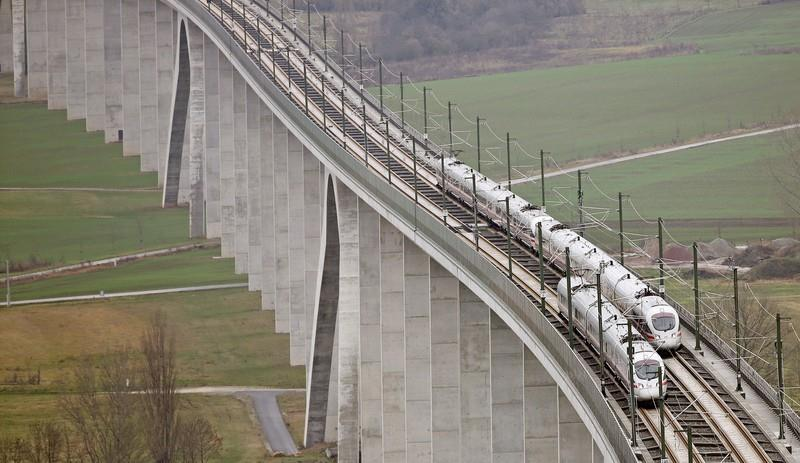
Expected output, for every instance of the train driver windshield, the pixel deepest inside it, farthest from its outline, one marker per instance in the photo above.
(664, 321)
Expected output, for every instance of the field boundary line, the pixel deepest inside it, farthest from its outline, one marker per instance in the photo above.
(103, 296)
(116, 260)
(646, 154)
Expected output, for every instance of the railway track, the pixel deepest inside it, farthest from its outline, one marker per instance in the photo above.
(722, 429)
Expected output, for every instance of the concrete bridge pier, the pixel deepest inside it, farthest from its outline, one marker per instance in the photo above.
(226, 150)
(95, 65)
(165, 62)
(212, 139)
(280, 172)
(55, 30)
(76, 59)
(240, 172)
(36, 40)
(253, 184)
(267, 194)
(18, 47)
(6, 36)
(131, 104)
(196, 132)
(112, 56)
(148, 87)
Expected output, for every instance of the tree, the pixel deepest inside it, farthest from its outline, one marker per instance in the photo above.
(197, 441)
(159, 397)
(103, 413)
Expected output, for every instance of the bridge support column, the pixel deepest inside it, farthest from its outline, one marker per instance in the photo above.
(131, 110)
(475, 361)
(312, 229)
(56, 55)
(371, 379)
(508, 435)
(297, 257)
(280, 148)
(417, 275)
(197, 122)
(6, 32)
(541, 412)
(393, 342)
(36, 40)
(267, 211)
(240, 172)
(18, 40)
(76, 60)
(95, 66)
(227, 171)
(347, 204)
(253, 190)
(148, 87)
(212, 166)
(445, 358)
(112, 55)
(165, 63)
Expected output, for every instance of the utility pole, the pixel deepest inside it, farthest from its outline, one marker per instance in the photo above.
(344, 120)
(325, 41)
(738, 338)
(661, 413)
(402, 105)
(580, 203)
(416, 191)
(425, 116)
(569, 296)
(308, 27)
(539, 240)
(661, 287)
(779, 351)
(324, 108)
(361, 70)
(508, 158)
(632, 398)
(380, 82)
(364, 128)
(478, 128)
(475, 210)
(294, 23)
(600, 336)
(621, 233)
(388, 153)
(450, 124)
(541, 180)
(508, 238)
(696, 298)
(305, 85)
(689, 444)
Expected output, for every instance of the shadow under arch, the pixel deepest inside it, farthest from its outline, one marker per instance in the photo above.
(324, 323)
(179, 116)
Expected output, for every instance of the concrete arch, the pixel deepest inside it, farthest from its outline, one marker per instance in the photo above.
(178, 118)
(324, 322)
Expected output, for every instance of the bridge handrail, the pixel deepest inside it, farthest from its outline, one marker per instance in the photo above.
(435, 231)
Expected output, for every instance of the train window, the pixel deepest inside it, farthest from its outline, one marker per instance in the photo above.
(663, 321)
(647, 369)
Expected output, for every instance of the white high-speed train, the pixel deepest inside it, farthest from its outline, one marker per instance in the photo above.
(646, 360)
(652, 315)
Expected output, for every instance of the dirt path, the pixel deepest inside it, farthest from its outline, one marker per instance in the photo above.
(646, 154)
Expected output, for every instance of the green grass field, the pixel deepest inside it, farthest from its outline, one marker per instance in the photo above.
(700, 191)
(41, 149)
(580, 112)
(223, 338)
(191, 268)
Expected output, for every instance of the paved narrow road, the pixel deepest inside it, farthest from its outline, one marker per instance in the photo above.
(269, 414)
(647, 154)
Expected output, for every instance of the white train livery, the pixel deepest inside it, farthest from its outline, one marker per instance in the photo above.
(646, 361)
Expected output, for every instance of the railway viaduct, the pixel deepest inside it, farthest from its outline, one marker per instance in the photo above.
(417, 344)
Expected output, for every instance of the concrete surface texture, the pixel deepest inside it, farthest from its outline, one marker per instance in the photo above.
(94, 56)
(6, 36)
(240, 172)
(18, 46)
(55, 29)
(76, 60)
(148, 88)
(212, 139)
(267, 211)
(254, 153)
(226, 150)
(112, 57)
(36, 39)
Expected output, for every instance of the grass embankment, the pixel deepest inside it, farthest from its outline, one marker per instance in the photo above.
(190, 268)
(222, 337)
(41, 149)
